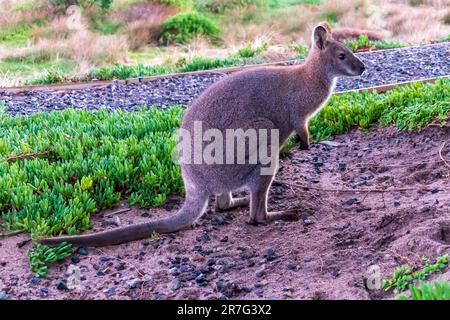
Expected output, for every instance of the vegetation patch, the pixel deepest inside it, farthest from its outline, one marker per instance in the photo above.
(404, 276)
(15, 36)
(363, 43)
(41, 257)
(428, 291)
(183, 27)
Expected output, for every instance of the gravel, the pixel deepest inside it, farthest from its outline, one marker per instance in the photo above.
(383, 67)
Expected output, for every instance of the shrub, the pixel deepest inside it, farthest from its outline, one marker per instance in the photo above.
(301, 49)
(122, 72)
(177, 3)
(248, 51)
(199, 63)
(363, 42)
(435, 291)
(183, 27)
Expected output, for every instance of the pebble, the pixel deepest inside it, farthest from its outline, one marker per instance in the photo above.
(82, 251)
(61, 286)
(176, 284)
(261, 271)
(133, 283)
(3, 295)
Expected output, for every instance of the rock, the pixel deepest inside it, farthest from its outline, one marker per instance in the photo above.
(120, 266)
(224, 239)
(82, 251)
(291, 266)
(261, 271)
(351, 201)
(74, 260)
(43, 292)
(176, 284)
(270, 255)
(211, 262)
(201, 280)
(174, 271)
(110, 291)
(198, 257)
(133, 283)
(3, 295)
(61, 286)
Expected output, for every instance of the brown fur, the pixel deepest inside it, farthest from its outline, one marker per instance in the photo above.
(282, 98)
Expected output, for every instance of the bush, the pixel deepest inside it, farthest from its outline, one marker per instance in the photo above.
(248, 51)
(199, 63)
(122, 72)
(177, 3)
(183, 27)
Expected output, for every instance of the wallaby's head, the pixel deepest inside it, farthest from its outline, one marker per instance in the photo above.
(338, 59)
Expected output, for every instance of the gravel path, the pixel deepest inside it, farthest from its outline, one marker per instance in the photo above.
(383, 67)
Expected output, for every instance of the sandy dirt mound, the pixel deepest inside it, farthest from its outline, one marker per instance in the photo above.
(324, 254)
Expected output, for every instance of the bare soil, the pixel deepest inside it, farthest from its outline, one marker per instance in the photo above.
(324, 254)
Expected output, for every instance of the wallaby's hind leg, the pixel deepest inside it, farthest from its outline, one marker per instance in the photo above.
(225, 201)
(258, 203)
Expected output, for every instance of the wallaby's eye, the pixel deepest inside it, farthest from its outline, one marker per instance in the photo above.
(341, 56)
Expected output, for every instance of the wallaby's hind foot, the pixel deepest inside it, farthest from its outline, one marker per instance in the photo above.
(225, 201)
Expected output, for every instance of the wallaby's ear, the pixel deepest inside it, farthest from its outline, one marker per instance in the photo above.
(320, 35)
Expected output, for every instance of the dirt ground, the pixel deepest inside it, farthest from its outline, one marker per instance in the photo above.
(324, 254)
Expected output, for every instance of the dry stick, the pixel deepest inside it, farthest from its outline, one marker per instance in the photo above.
(440, 155)
(23, 156)
(12, 233)
(109, 215)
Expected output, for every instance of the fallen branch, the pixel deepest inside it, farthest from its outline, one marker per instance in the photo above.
(22, 156)
(109, 215)
(12, 233)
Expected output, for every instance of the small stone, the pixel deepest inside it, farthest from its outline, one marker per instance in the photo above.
(74, 260)
(110, 291)
(261, 271)
(61, 286)
(35, 281)
(211, 262)
(291, 266)
(270, 255)
(434, 190)
(82, 251)
(176, 284)
(3, 296)
(174, 271)
(224, 239)
(351, 201)
(200, 279)
(120, 266)
(43, 292)
(133, 283)
(198, 257)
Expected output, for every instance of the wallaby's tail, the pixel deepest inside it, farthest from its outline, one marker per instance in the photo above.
(192, 209)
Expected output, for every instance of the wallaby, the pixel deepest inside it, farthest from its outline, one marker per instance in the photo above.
(281, 98)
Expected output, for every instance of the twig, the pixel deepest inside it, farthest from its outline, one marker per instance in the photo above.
(440, 155)
(23, 156)
(12, 233)
(109, 215)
